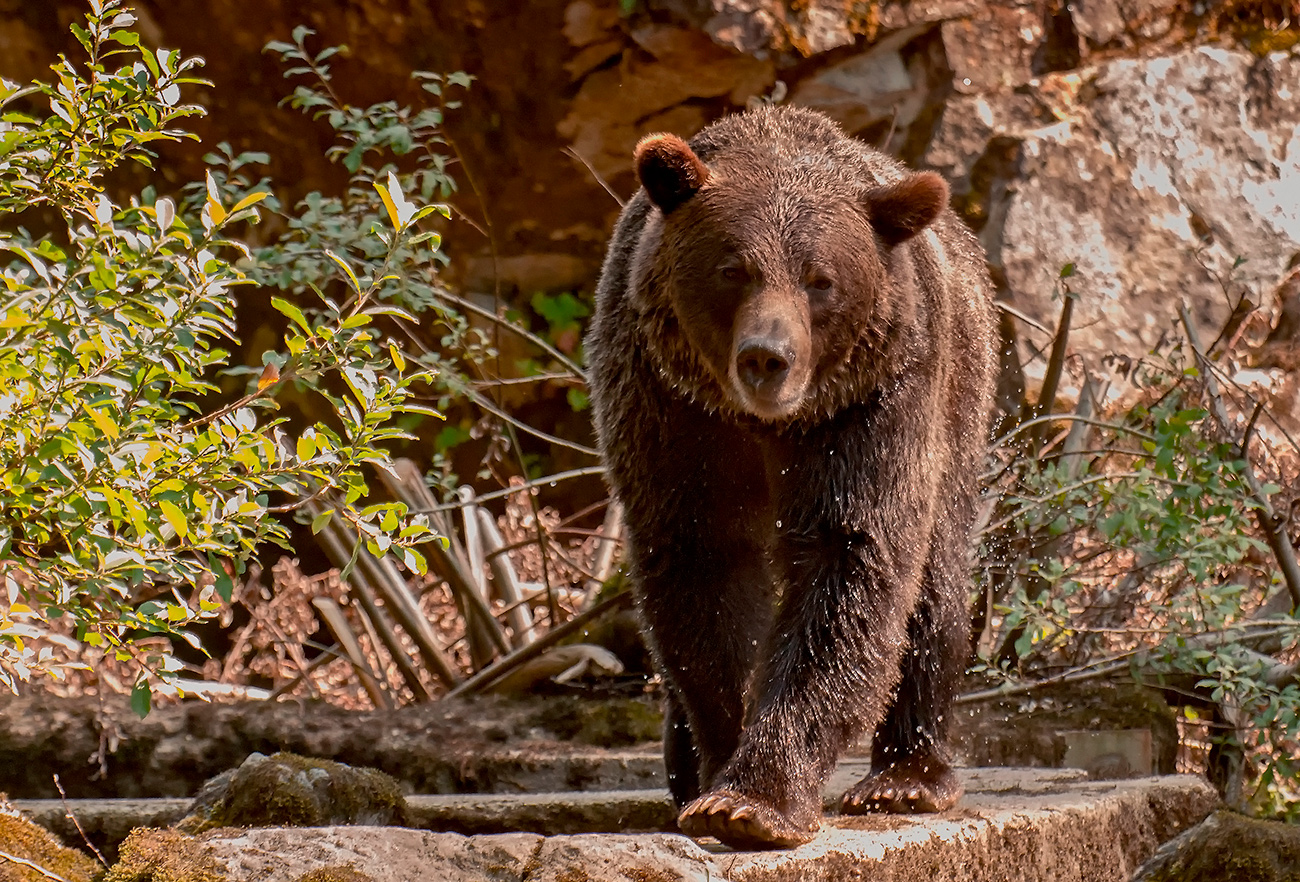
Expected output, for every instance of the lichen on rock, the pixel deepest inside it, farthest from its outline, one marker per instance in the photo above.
(344, 873)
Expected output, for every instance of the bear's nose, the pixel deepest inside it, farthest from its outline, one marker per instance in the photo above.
(762, 364)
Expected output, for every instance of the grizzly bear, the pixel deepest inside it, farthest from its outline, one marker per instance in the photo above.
(791, 369)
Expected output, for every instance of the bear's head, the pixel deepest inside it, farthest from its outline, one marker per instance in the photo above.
(776, 261)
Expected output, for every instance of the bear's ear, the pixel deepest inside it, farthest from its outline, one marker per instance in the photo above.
(900, 210)
(669, 170)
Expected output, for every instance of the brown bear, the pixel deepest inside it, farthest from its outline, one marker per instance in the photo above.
(791, 369)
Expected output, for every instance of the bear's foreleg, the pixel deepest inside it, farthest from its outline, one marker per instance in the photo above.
(856, 505)
(698, 518)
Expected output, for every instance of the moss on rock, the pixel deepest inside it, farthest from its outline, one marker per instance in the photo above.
(615, 722)
(150, 855)
(286, 790)
(1228, 846)
(23, 840)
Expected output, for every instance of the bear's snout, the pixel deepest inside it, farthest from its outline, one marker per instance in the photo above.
(762, 364)
(769, 369)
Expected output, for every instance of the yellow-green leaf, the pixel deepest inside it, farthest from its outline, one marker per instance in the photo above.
(388, 205)
(318, 523)
(15, 318)
(250, 199)
(103, 423)
(215, 210)
(347, 270)
(175, 517)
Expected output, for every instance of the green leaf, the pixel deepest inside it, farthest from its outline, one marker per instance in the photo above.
(291, 311)
(141, 699)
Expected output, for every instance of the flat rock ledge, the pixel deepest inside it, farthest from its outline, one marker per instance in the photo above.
(1013, 824)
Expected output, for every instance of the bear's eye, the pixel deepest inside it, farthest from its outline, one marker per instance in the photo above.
(821, 283)
(734, 274)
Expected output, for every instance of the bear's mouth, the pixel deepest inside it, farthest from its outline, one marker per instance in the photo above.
(776, 399)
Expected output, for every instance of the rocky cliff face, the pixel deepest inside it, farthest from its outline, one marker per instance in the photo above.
(1152, 143)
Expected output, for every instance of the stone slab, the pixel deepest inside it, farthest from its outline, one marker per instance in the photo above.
(1013, 824)
(1014, 828)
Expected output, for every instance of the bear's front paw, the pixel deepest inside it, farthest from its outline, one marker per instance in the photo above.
(744, 822)
(918, 784)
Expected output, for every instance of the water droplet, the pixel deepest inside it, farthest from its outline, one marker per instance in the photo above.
(778, 525)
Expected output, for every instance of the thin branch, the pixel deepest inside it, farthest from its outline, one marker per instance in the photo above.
(528, 335)
(500, 414)
(1055, 417)
(1012, 311)
(1056, 360)
(595, 174)
(494, 672)
(509, 491)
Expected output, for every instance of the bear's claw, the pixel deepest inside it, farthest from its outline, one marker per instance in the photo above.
(742, 822)
(924, 784)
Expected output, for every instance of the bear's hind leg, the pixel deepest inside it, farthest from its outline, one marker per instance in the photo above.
(681, 759)
(910, 767)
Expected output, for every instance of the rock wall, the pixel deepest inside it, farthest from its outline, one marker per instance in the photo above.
(1152, 143)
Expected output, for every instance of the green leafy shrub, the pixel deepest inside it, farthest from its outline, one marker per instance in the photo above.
(1136, 542)
(128, 498)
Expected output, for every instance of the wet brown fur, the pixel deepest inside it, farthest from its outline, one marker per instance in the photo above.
(795, 558)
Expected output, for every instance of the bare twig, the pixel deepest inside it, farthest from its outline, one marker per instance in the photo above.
(1066, 417)
(67, 810)
(514, 327)
(1056, 361)
(510, 421)
(1027, 319)
(48, 874)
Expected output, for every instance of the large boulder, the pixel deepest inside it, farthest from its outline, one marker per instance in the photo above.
(1227, 846)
